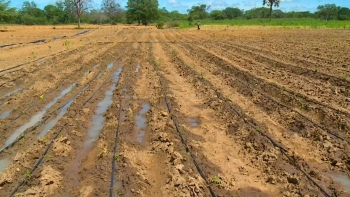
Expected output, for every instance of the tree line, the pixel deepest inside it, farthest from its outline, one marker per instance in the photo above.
(147, 11)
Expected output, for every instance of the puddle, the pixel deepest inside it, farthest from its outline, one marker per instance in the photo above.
(37, 117)
(4, 163)
(98, 119)
(289, 169)
(13, 92)
(194, 122)
(5, 114)
(97, 125)
(53, 122)
(109, 66)
(343, 180)
(137, 68)
(141, 122)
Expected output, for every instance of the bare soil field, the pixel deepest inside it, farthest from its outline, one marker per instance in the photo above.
(129, 111)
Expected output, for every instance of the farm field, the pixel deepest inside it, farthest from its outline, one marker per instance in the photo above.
(129, 111)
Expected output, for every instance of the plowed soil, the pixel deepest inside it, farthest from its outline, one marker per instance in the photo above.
(129, 111)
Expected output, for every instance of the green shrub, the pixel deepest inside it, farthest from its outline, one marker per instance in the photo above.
(160, 25)
(173, 24)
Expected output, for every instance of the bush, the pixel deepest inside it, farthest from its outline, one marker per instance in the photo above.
(160, 25)
(173, 24)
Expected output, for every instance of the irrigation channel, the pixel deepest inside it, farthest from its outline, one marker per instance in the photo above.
(146, 112)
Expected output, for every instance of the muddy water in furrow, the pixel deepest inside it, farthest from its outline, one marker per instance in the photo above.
(37, 117)
(45, 84)
(61, 147)
(206, 101)
(98, 121)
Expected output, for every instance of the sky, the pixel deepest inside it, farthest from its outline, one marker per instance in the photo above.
(183, 5)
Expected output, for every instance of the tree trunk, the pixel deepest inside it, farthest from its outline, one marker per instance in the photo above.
(78, 22)
(271, 12)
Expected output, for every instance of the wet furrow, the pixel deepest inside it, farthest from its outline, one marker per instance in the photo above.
(75, 132)
(20, 150)
(34, 106)
(55, 143)
(43, 142)
(328, 151)
(334, 120)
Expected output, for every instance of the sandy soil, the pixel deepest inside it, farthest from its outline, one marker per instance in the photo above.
(135, 111)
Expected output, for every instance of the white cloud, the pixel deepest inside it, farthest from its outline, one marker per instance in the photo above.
(172, 2)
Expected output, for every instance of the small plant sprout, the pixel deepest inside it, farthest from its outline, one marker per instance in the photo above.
(66, 44)
(27, 174)
(117, 158)
(50, 49)
(216, 180)
(34, 54)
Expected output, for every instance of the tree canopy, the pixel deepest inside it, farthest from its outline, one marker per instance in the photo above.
(142, 11)
(148, 11)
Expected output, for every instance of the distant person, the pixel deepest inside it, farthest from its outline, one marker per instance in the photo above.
(198, 28)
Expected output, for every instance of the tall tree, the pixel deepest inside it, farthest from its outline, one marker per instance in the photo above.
(232, 13)
(111, 8)
(142, 10)
(79, 7)
(328, 11)
(344, 13)
(7, 14)
(198, 12)
(218, 15)
(271, 3)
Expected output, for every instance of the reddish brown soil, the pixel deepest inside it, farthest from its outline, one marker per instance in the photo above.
(225, 112)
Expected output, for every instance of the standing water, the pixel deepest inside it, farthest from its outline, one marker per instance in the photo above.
(5, 114)
(97, 123)
(109, 66)
(36, 118)
(343, 180)
(141, 122)
(53, 122)
(4, 163)
(13, 92)
(98, 119)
